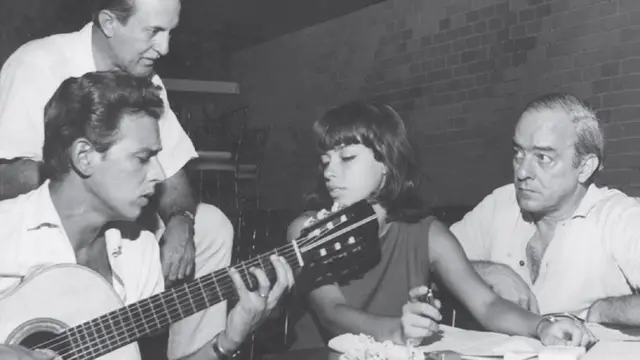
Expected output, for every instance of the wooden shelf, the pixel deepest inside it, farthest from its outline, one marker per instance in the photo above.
(214, 155)
(202, 86)
(221, 161)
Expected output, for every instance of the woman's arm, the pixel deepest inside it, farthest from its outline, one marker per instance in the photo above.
(448, 259)
(338, 317)
(493, 312)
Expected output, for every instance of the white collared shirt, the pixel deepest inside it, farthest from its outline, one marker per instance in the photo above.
(594, 254)
(33, 73)
(32, 236)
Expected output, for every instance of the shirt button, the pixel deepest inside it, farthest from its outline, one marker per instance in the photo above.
(521, 262)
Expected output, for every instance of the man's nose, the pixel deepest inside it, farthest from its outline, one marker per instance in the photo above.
(524, 170)
(161, 45)
(156, 172)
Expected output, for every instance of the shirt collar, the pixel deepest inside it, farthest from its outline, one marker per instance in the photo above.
(83, 53)
(591, 198)
(41, 211)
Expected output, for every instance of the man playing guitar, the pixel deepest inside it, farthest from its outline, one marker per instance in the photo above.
(101, 142)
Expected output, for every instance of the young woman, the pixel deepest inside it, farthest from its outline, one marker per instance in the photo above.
(365, 154)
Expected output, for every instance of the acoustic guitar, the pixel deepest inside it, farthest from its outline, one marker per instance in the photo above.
(75, 312)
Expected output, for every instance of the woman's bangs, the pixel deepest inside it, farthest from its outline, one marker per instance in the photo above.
(334, 135)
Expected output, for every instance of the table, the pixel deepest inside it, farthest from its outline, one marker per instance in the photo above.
(614, 350)
(321, 353)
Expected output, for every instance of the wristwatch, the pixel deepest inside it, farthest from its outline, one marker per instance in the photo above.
(554, 317)
(221, 353)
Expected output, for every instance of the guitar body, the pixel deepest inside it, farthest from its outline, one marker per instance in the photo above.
(53, 299)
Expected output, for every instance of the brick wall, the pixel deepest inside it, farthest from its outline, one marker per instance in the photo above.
(459, 71)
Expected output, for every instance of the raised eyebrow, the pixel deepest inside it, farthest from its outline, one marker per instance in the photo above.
(536, 148)
(545, 149)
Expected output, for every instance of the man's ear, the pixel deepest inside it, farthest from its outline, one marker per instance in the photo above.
(108, 22)
(84, 157)
(588, 165)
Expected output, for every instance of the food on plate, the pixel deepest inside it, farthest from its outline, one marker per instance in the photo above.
(365, 347)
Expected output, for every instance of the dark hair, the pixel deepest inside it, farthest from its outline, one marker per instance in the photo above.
(122, 9)
(589, 135)
(381, 129)
(91, 107)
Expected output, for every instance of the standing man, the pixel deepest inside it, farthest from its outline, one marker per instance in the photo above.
(129, 35)
(552, 240)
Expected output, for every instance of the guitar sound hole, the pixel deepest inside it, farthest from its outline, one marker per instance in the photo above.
(36, 339)
(43, 340)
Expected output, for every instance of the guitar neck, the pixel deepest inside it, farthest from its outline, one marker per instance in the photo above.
(128, 324)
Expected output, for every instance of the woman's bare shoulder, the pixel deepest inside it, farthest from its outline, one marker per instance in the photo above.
(296, 226)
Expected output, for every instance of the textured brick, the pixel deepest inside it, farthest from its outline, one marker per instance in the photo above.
(534, 27)
(628, 50)
(518, 31)
(630, 34)
(630, 66)
(453, 60)
(519, 58)
(621, 98)
(445, 24)
(425, 41)
(494, 24)
(543, 11)
(610, 69)
(407, 34)
(621, 114)
(472, 16)
(601, 86)
(474, 42)
(480, 27)
(462, 65)
(620, 176)
(621, 130)
(526, 15)
(627, 82)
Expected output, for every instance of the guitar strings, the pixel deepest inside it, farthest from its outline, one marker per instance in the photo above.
(198, 300)
(164, 317)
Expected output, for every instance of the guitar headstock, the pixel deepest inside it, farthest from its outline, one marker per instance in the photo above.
(341, 244)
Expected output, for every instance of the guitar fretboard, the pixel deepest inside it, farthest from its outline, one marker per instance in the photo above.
(125, 325)
(121, 327)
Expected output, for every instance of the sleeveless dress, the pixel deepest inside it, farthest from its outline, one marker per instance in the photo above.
(384, 289)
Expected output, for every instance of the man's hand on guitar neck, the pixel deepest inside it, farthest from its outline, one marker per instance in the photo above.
(14, 352)
(254, 307)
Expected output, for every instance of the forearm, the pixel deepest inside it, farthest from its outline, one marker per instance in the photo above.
(485, 268)
(18, 177)
(504, 316)
(621, 310)
(344, 319)
(176, 195)
(206, 351)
